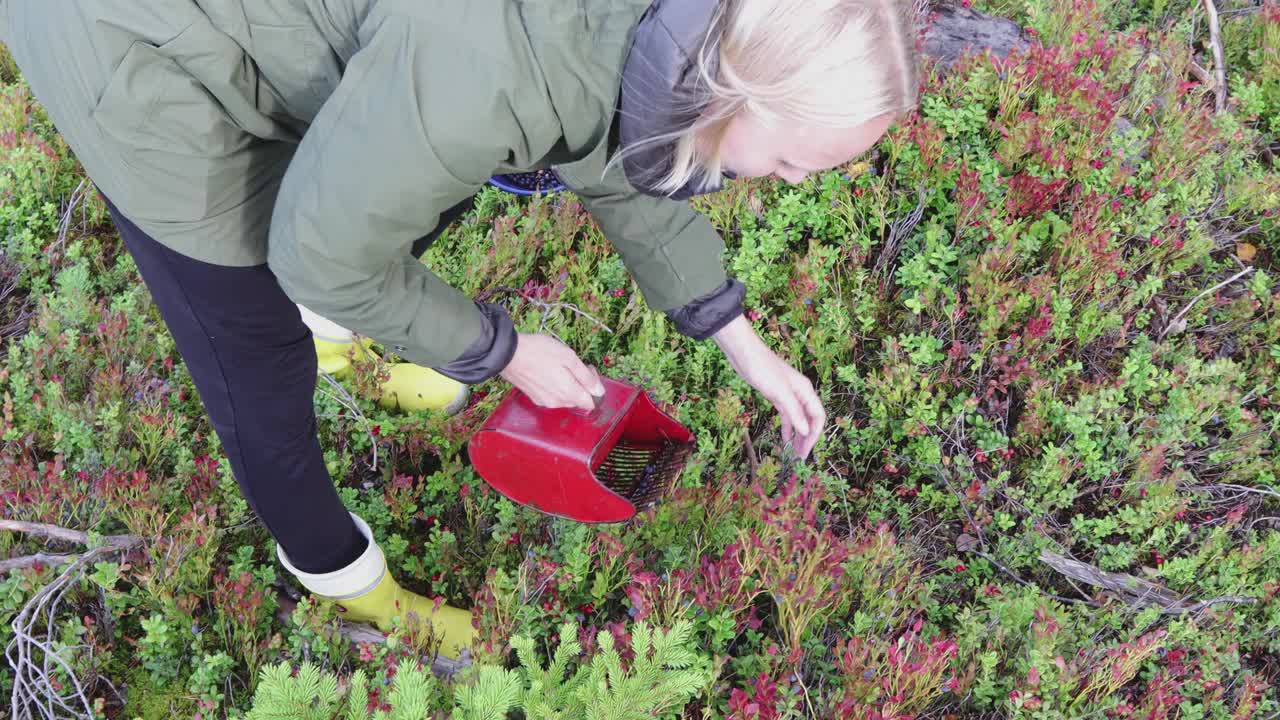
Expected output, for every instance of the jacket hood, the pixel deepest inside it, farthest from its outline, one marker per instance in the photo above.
(662, 91)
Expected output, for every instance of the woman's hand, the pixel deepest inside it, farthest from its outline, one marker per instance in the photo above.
(790, 392)
(552, 374)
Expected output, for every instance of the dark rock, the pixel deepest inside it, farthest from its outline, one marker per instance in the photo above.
(954, 29)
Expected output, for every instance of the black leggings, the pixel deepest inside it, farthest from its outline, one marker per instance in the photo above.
(254, 366)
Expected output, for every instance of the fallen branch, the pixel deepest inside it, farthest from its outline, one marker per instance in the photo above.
(1219, 67)
(53, 532)
(30, 561)
(1207, 603)
(952, 31)
(35, 657)
(1133, 590)
(1129, 585)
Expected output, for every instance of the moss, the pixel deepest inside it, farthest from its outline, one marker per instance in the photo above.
(145, 701)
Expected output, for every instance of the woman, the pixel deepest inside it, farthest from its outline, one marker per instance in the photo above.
(276, 167)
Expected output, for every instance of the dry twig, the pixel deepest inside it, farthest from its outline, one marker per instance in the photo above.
(547, 308)
(752, 460)
(344, 399)
(1219, 66)
(1275, 522)
(53, 532)
(1172, 323)
(1246, 489)
(64, 223)
(1201, 74)
(30, 561)
(33, 653)
(1133, 590)
(20, 307)
(900, 230)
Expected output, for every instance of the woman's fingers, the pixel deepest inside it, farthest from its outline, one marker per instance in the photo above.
(552, 374)
(582, 385)
(816, 413)
(802, 414)
(791, 394)
(794, 423)
(585, 376)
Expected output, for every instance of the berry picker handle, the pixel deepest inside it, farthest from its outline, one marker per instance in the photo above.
(596, 400)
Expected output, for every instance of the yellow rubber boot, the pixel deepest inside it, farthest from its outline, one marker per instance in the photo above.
(411, 388)
(388, 600)
(335, 357)
(335, 345)
(367, 593)
(414, 388)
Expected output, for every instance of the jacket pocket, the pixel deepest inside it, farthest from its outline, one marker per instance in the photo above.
(298, 63)
(150, 102)
(188, 159)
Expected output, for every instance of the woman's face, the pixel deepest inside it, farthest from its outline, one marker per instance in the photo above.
(791, 151)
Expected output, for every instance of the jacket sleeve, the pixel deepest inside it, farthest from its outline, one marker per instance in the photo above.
(397, 143)
(672, 251)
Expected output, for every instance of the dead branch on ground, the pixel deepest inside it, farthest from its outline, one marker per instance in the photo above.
(1131, 589)
(1219, 66)
(34, 654)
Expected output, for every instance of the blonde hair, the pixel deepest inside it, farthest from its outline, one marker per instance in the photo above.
(775, 59)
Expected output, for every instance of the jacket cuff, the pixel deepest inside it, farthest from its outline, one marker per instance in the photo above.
(705, 316)
(490, 353)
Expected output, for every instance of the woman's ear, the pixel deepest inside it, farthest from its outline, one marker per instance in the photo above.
(709, 132)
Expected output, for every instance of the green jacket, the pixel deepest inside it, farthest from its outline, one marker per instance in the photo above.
(324, 137)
